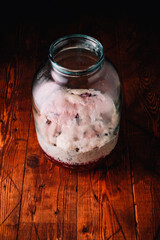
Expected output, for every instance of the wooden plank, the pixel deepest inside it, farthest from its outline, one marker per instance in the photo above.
(49, 196)
(15, 118)
(146, 157)
(143, 106)
(145, 178)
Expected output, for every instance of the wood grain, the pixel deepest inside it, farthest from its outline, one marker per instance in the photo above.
(143, 122)
(13, 147)
(119, 201)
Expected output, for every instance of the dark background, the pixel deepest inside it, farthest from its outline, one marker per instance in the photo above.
(13, 12)
(58, 16)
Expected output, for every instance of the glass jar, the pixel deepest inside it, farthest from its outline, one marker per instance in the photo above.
(76, 98)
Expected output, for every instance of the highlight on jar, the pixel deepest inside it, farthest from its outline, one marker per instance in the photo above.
(76, 99)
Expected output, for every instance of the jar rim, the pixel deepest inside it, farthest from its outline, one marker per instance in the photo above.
(96, 46)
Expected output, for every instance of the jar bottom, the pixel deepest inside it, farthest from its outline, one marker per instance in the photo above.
(78, 167)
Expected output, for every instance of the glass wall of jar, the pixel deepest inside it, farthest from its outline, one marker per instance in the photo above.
(76, 98)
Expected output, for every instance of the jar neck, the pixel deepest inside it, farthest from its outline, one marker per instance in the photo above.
(76, 55)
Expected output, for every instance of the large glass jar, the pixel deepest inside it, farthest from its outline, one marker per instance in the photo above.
(76, 98)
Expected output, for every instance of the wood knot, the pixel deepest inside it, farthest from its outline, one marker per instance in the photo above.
(14, 118)
(84, 229)
(33, 161)
(41, 186)
(56, 212)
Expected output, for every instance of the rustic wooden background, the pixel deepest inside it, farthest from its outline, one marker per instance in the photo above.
(41, 201)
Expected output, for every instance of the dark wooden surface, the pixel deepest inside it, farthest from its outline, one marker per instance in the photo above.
(41, 201)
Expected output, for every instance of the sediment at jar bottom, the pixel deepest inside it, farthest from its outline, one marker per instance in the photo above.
(77, 167)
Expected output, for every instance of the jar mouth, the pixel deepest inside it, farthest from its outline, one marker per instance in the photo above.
(76, 54)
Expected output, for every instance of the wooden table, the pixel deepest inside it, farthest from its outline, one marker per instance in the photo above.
(41, 201)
